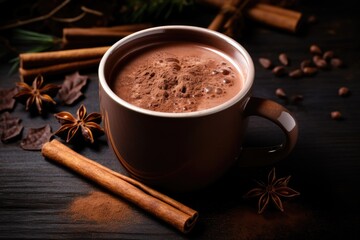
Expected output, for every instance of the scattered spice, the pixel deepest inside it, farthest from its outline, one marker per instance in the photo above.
(344, 91)
(280, 93)
(243, 221)
(336, 63)
(328, 55)
(10, 127)
(70, 90)
(88, 125)
(320, 62)
(308, 67)
(336, 115)
(36, 138)
(296, 73)
(283, 58)
(102, 208)
(265, 63)
(279, 71)
(305, 63)
(274, 189)
(36, 94)
(310, 71)
(7, 101)
(315, 49)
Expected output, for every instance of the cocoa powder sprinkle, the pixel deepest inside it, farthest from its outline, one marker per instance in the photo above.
(101, 208)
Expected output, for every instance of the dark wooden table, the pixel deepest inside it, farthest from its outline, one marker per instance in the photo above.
(35, 194)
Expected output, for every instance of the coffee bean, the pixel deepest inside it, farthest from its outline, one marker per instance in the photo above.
(305, 63)
(297, 73)
(344, 92)
(336, 63)
(336, 115)
(310, 71)
(328, 55)
(315, 49)
(283, 58)
(279, 71)
(265, 62)
(280, 93)
(319, 62)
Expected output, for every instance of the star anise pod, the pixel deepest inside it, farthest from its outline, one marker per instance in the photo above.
(274, 189)
(36, 94)
(88, 125)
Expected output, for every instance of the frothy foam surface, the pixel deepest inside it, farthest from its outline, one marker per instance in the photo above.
(177, 77)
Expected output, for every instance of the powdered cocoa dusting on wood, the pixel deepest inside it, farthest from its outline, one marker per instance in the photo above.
(250, 225)
(102, 208)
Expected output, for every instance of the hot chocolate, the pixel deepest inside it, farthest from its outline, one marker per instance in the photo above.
(176, 77)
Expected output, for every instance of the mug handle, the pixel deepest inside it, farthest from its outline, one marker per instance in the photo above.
(276, 113)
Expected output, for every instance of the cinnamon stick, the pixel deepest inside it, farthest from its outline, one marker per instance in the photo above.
(99, 36)
(41, 59)
(163, 207)
(226, 10)
(56, 62)
(275, 16)
(271, 15)
(30, 74)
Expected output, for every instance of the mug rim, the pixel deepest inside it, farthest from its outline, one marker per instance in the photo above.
(247, 83)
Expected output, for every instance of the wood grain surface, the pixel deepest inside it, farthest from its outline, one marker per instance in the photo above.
(35, 194)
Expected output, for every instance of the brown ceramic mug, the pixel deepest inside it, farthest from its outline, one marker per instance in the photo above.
(188, 150)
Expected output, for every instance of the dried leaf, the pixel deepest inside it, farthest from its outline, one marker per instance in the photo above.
(7, 102)
(36, 138)
(10, 127)
(71, 88)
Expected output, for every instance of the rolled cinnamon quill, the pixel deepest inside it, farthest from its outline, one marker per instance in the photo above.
(163, 207)
(99, 36)
(271, 15)
(30, 74)
(274, 16)
(41, 59)
(61, 61)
